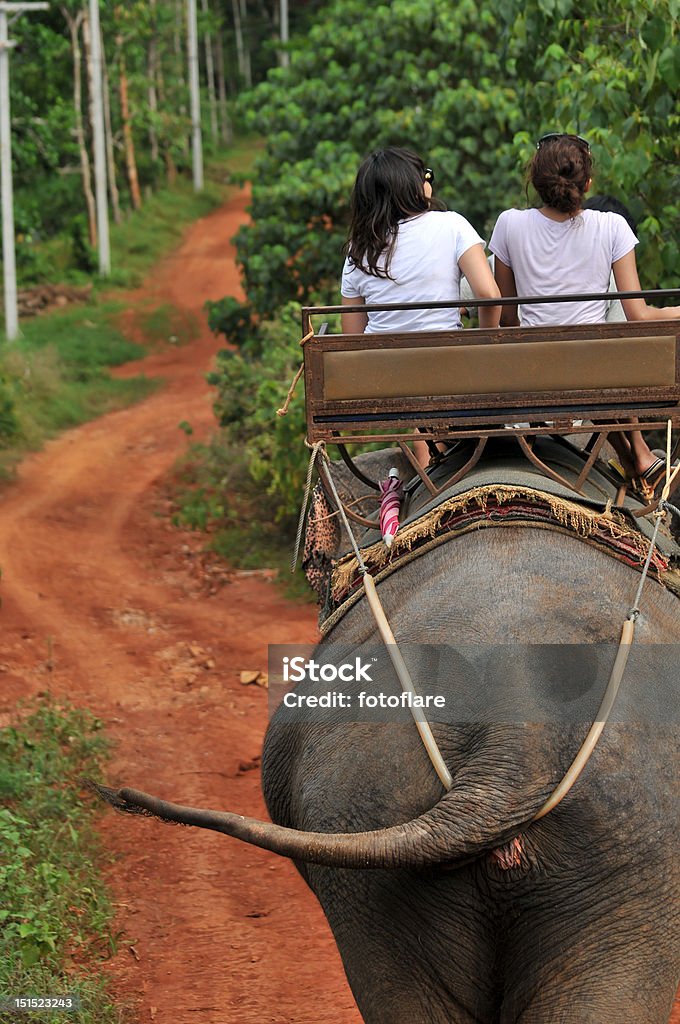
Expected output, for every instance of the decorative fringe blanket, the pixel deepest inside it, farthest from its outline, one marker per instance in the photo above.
(492, 506)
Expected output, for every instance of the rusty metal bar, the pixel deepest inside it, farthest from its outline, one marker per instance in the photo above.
(659, 293)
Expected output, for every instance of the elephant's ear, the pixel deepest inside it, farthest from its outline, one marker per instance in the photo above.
(325, 535)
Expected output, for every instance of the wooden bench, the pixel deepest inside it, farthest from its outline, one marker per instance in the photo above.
(475, 383)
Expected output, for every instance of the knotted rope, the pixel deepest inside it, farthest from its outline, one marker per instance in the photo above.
(625, 644)
(316, 448)
(294, 383)
(627, 637)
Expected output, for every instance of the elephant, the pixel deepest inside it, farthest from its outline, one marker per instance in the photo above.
(459, 905)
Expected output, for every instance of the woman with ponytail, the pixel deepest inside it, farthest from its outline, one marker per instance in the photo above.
(560, 248)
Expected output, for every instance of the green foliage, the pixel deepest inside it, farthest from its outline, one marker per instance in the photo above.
(55, 912)
(235, 320)
(470, 88)
(146, 97)
(251, 387)
(56, 376)
(8, 417)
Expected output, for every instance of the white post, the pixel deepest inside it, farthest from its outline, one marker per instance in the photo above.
(196, 142)
(8, 258)
(7, 199)
(99, 143)
(285, 56)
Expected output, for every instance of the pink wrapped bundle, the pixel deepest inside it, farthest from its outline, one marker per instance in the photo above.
(392, 493)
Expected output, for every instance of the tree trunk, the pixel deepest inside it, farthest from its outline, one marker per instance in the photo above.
(108, 127)
(74, 24)
(165, 145)
(179, 69)
(130, 161)
(247, 72)
(238, 33)
(152, 72)
(210, 76)
(226, 133)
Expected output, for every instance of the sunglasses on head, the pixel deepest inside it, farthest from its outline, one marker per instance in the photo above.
(550, 136)
(429, 175)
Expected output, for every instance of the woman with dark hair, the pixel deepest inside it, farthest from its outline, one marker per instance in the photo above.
(562, 248)
(401, 249)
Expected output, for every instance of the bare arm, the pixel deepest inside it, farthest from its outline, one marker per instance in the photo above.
(627, 280)
(353, 323)
(506, 282)
(474, 264)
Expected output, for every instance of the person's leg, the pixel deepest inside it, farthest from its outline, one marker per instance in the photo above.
(633, 451)
(642, 456)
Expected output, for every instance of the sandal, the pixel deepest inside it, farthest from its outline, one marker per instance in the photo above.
(645, 484)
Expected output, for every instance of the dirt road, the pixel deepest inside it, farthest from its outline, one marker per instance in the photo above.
(103, 601)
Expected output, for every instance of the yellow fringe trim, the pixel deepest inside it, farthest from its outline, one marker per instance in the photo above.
(568, 514)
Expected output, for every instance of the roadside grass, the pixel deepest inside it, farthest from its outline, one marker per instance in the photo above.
(55, 915)
(56, 375)
(213, 493)
(159, 225)
(166, 323)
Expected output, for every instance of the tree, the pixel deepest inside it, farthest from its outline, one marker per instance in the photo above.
(470, 88)
(75, 21)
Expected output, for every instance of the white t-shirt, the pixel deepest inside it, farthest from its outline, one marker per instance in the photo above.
(424, 268)
(550, 257)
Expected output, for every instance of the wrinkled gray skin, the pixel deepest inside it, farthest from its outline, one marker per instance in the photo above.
(585, 927)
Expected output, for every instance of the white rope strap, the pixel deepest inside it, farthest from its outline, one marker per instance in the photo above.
(625, 644)
(387, 636)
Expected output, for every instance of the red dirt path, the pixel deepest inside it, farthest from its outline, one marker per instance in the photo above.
(103, 601)
(95, 581)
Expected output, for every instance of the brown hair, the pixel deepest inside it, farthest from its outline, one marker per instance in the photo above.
(560, 170)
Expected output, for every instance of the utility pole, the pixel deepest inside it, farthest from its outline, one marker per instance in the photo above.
(284, 59)
(196, 141)
(7, 199)
(99, 142)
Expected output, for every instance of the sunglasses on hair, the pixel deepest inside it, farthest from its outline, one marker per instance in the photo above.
(550, 136)
(429, 175)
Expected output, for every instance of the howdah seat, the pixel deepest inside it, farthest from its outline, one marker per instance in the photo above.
(479, 383)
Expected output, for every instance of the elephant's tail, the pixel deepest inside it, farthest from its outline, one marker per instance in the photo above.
(460, 827)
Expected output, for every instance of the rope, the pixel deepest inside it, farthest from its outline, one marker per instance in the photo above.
(634, 612)
(625, 644)
(283, 411)
(316, 448)
(343, 515)
(387, 636)
(595, 731)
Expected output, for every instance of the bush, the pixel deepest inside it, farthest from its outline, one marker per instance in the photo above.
(235, 320)
(251, 386)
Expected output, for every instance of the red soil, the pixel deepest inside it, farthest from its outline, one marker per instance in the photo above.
(104, 602)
